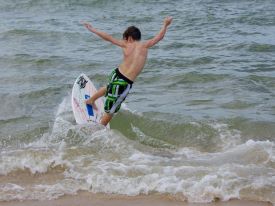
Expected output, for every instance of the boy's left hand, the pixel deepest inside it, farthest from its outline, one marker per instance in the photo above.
(168, 20)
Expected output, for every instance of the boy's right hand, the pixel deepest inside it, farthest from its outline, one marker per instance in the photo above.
(167, 21)
(87, 25)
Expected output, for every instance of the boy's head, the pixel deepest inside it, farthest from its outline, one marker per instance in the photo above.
(132, 32)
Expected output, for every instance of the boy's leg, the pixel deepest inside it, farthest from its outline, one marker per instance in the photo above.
(105, 119)
(101, 92)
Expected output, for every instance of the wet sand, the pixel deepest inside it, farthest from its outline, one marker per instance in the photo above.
(89, 199)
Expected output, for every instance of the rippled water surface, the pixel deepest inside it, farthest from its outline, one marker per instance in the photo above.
(199, 122)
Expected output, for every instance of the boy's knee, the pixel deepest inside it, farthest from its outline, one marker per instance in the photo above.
(106, 118)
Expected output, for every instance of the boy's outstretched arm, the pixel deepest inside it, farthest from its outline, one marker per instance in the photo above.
(104, 35)
(151, 42)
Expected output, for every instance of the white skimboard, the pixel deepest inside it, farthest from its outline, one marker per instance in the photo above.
(83, 89)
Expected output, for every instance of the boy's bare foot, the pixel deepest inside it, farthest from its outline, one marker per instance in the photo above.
(92, 103)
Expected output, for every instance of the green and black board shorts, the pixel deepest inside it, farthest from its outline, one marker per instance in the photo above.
(117, 90)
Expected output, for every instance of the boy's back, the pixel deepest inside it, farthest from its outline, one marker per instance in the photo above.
(135, 55)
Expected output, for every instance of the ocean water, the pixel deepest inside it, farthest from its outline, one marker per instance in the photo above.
(199, 123)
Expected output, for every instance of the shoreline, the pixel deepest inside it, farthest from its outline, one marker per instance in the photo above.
(90, 199)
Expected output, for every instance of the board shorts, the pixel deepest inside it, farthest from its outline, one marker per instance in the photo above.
(117, 90)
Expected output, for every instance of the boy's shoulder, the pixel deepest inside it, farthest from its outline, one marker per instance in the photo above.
(136, 44)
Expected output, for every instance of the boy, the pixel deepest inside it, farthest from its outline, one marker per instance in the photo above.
(122, 78)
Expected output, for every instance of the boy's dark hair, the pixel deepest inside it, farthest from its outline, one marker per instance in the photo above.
(133, 32)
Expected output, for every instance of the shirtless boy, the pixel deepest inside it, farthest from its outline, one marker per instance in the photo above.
(122, 78)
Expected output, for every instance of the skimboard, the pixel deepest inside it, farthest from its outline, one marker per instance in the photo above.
(83, 89)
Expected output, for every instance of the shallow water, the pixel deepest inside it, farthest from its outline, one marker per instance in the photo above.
(200, 119)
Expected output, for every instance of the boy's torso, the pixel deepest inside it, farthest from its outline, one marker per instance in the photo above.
(135, 55)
